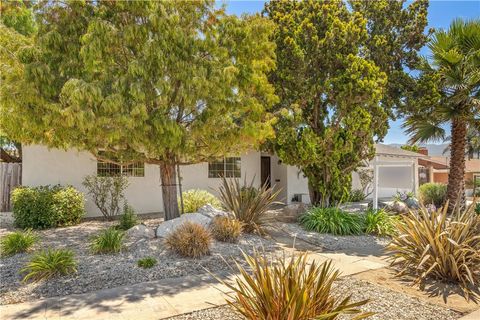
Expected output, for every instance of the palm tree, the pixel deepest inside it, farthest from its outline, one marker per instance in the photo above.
(454, 75)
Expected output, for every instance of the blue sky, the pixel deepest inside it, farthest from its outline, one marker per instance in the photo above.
(440, 14)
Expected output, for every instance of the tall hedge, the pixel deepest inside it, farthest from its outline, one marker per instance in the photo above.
(47, 206)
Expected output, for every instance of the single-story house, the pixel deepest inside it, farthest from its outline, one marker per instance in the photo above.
(395, 170)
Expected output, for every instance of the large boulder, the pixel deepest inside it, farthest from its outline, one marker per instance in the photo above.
(168, 226)
(397, 207)
(210, 211)
(138, 232)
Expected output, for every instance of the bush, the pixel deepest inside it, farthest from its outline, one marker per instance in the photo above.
(433, 193)
(17, 242)
(108, 241)
(197, 198)
(247, 205)
(434, 245)
(357, 195)
(50, 263)
(47, 207)
(189, 240)
(147, 262)
(226, 229)
(128, 219)
(331, 220)
(380, 222)
(107, 193)
(288, 289)
(477, 208)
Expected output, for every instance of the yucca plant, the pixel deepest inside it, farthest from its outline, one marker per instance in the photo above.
(380, 222)
(108, 241)
(50, 263)
(17, 242)
(189, 240)
(331, 220)
(226, 229)
(288, 289)
(438, 246)
(247, 205)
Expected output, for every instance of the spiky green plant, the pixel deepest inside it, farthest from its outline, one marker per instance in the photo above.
(380, 222)
(17, 242)
(331, 220)
(147, 262)
(432, 244)
(108, 241)
(50, 263)
(288, 289)
(246, 205)
(128, 219)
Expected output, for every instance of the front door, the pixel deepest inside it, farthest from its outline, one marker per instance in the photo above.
(265, 171)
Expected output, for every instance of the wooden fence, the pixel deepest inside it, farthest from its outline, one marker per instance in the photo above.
(10, 177)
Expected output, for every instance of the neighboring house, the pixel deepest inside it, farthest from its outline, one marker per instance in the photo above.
(396, 171)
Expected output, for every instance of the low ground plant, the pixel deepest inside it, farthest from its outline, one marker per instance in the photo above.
(356, 195)
(380, 222)
(190, 240)
(332, 220)
(147, 262)
(434, 245)
(17, 242)
(226, 229)
(433, 193)
(289, 289)
(196, 198)
(49, 263)
(107, 241)
(128, 219)
(246, 203)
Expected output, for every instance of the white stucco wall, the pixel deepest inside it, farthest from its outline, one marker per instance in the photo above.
(297, 183)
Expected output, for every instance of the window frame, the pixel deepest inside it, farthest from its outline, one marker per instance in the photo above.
(132, 170)
(228, 167)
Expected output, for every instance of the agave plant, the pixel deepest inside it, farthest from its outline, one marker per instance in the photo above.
(246, 205)
(289, 289)
(432, 244)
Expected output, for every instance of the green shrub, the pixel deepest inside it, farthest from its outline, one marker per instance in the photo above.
(108, 241)
(357, 195)
(433, 193)
(47, 207)
(189, 240)
(197, 198)
(50, 263)
(226, 229)
(246, 203)
(477, 208)
(147, 262)
(17, 242)
(107, 193)
(332, 220)
(128, 219)
(290, 289)
(380, 222)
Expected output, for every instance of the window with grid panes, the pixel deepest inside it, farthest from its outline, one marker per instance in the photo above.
(107, 169)
(228, 167)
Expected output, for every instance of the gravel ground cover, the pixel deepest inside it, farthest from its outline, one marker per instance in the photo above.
(387, 304)
(97, 272)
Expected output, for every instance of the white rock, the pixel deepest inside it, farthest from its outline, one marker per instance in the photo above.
(140, 231)
(398, 207)
(168, 226)
(210, 211)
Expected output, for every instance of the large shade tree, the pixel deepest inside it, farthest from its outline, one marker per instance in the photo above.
(163, 82)
(336, 70)
(448, 95)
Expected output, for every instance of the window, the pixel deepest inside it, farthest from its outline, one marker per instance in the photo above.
(107, 169)
(227, 167)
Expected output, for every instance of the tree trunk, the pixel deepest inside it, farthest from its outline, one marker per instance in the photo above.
(169, 190)
(456, 182)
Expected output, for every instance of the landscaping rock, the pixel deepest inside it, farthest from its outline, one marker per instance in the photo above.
(291, 212)
(398, 207)
(140, 231)
(210, 211)
(168, 226)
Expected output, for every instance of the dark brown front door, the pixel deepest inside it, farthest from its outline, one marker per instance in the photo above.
(265, 171)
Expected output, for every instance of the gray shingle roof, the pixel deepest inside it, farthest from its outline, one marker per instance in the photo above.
(383, 149)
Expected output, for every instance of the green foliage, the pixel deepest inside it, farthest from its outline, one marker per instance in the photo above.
(107, 241)
(17, 242)
(190, 240)
(430, 244)
(247, 204)
(226, 229)
(356, 195)
(47, 207)
(380, 222)
(433, 193)
(18, 15)
(477, 208)
(196, 198)
(289, 289)
(332, 220)
(147, 262)
(128, 219)
(107, 193)
(50, 263)
(413, 148)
